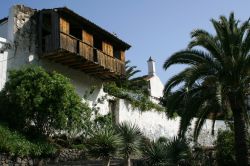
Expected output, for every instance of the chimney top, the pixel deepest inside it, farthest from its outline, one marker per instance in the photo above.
(150, 59)
(151, 67)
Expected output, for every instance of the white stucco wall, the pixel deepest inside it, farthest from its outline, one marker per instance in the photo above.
(153, 124)
(156, 87)
(3, 63)
(156, 124)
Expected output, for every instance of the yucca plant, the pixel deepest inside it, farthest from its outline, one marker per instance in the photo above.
(104, 144)
(131, 140)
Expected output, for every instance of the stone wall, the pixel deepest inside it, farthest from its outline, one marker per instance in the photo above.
(63, 156)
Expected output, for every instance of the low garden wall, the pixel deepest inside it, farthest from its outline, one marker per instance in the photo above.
(62, 156)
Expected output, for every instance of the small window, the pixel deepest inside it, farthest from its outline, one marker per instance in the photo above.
(117, 54)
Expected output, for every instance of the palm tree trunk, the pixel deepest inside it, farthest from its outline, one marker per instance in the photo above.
(240, 136)
(127, 161)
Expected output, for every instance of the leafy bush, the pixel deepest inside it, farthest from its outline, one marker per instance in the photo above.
(17, 144)
(225, 151)
(42, 102)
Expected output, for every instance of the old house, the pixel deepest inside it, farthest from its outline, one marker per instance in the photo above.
(61, 40)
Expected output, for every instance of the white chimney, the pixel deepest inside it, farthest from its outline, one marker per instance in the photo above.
(151, 67)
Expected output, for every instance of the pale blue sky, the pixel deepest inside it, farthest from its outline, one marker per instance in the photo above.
(156, 28)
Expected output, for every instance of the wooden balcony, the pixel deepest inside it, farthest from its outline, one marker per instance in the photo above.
(79, 55)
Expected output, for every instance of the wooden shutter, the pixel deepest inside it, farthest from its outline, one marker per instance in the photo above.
(64, 26)
(107, 48)
(87, 37)
(122, 56)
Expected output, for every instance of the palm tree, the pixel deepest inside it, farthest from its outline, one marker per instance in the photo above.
(130, 81)
(130, 70)
(104, 144)
(216, 80)
(131, 140)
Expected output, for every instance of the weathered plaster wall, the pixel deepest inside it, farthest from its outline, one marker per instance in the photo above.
(3, 29)
(3, 63)
(156, 124)
(21, 36)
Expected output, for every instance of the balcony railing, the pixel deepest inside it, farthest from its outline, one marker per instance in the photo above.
(73, 45)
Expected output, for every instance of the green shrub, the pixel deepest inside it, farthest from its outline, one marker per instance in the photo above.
(225, 151)
(42, 102)
(15, 143)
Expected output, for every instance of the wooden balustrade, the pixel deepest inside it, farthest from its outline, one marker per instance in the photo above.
(68, 43)
(88, 52)
(114, 65)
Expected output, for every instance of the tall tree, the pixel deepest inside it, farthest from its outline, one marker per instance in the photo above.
(216, 80)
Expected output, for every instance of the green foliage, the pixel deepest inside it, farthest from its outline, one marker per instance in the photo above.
(131, 82)
(79, 146)
(178, 152)
(216, 80)
(136, 99)
(131, 139)
(168, 152)
(34, 99)
(102, 121)
(103, 144)
(225, 148)
(203, 156)
(155, 153)
(15, 143)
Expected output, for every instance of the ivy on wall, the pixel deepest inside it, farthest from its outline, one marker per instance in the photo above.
(137, 99)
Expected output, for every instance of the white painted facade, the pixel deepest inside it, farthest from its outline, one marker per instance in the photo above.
(156, 87)
(20, 33)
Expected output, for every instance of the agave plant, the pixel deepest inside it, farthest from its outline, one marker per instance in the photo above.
(178, 152)
(104, 144)
(168, 152)
(155, 153)
(131, 140)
